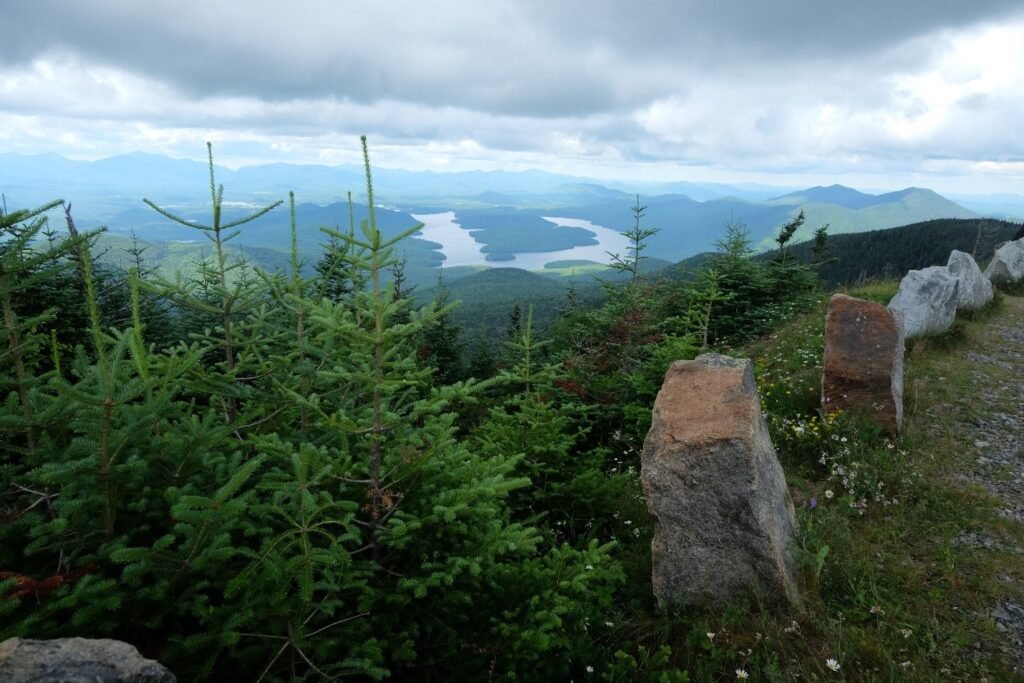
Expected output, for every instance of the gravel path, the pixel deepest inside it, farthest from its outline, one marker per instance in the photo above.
(997, 437)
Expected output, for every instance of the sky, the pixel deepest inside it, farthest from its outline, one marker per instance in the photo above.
(876, 94)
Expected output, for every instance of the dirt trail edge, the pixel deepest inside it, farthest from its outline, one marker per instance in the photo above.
(993, 422)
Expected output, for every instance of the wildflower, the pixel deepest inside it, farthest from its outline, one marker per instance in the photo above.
(832, 665)
(829, 494)
(590, 567)
(711, 636)
(590, 669)
(609, 624)
(742, 675)
(814, 503)
(906, 633)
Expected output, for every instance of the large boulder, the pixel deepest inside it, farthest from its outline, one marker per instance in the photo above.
(77, 660)
(723, 515)
(927, 301)
(975, 289)
(1007, 265)
(863, 361)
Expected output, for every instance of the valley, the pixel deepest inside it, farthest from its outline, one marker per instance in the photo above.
(471, 220)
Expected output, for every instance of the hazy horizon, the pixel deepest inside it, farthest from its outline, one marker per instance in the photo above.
(774, 183)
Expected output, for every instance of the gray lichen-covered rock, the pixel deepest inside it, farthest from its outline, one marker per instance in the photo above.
(77, 660)
(1007, 265)
(863, 366)
(723, 515)
(927, 301)
(975, 289)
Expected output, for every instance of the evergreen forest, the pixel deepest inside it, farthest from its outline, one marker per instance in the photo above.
(256, 475)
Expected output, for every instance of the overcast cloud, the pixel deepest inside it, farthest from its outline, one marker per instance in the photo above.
(875, 93)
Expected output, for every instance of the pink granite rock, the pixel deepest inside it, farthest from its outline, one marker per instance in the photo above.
(863, 361)
(723, 515)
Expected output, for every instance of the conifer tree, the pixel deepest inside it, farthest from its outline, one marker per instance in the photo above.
(24, 271)
(334, 526)
(440, 346)
(515, 323)
(637, 236)
(707, 294)
(405, 523)
(786, 234)
(821, 247)
(233, 298)
(338, 276)
(570, 304)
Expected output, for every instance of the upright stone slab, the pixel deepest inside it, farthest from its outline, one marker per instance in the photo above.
(1007, 265)
(77, 660)
(723, 515)
(863, 361)
(927, 301)
(975, 289)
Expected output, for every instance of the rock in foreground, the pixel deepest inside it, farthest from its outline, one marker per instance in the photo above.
(975, 289)
(927, 301)
(1007, 265)
(863, 361)
(723, 515)
(77, 660)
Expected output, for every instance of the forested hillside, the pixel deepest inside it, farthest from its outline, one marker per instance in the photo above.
(843, 260)
(886, 254)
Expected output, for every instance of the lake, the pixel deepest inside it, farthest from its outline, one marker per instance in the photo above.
(461, 249)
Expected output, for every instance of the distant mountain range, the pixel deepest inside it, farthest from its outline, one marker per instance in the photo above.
(688, 227)
(505, 210)
(31, 179)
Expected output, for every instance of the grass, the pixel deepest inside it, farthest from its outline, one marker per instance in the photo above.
(880, 291)
(575, 268)
(889, 593)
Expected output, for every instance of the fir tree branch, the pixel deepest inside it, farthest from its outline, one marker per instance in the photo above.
(176, 219)
(251, 217)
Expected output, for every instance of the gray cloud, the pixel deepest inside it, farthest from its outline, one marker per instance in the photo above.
(533, 58)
